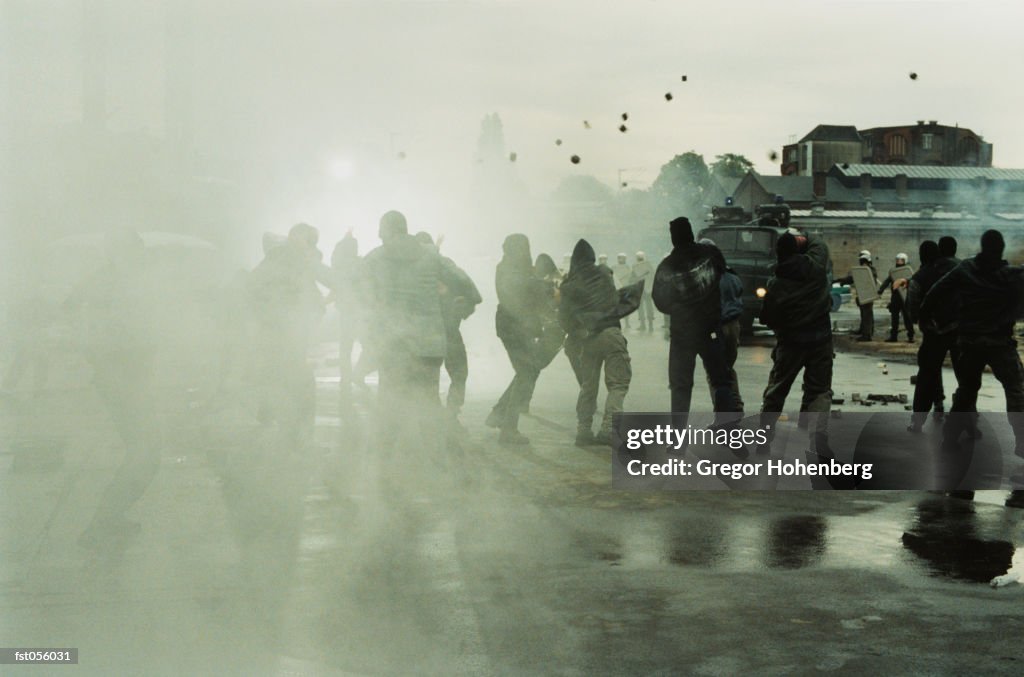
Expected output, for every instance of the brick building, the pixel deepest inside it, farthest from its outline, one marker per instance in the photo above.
(928, 143)
(892, 208)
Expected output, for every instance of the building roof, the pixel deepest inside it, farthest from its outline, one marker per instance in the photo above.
(863, 214)
(932, 172)
(833, 133)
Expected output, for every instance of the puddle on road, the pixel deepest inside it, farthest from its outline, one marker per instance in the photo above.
(935, 537)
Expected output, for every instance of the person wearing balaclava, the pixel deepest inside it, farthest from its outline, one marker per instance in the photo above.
(988, 295)
(519, 323)
(686, 287)
(897, 302)
(587, 312)
(796, 307)
(938, 335)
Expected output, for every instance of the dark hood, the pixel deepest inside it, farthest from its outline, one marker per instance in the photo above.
(516, 250)
(582, 256)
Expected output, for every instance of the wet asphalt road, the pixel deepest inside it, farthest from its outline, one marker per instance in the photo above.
(402, 559)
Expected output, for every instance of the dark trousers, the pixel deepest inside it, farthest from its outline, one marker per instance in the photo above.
(867, 320)
(730, 349)
(682, 359)
(1001, 355)
(788, 359)
(516, 398)
(898, 309)
(930, 357)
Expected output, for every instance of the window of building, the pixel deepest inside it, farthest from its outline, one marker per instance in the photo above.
(926, 141)
(793, 157)
(897, 146)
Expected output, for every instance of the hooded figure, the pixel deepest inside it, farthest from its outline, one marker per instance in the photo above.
(938, 336)
(796, 306)
(459, 299)
(589, 311)
(989, 294)
(686, 287)
(519, 324)
(406, 279)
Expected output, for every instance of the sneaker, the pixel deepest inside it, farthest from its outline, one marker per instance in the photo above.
(513, 438)
(891, 339)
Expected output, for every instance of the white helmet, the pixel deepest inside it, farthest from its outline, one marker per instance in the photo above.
(640, 256)
(903, 256)
(865, 254)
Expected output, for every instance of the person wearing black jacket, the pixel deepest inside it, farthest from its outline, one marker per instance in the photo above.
(796, 306)
(987, 293)
(686, 288)
(938, 335)
(519, 322)
(587, 312)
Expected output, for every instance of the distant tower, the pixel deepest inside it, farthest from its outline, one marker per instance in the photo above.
(490, 148)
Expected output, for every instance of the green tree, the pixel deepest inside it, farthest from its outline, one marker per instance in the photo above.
(680, 185)
(731, 165)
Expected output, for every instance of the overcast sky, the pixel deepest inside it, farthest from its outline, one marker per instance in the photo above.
(302, 86)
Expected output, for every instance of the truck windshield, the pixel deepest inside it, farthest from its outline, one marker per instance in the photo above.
(741, 240)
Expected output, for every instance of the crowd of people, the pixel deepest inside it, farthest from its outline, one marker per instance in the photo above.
(404, 302)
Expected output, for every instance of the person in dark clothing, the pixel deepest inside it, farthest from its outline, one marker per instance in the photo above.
(947, 248)
(519, 324)
(866, 330)
(406, 282)
(288, 305)
(552, 336)
(897, 302)
(588, 314)
(731, 294)
(938, 335)
(986, 293)
(121, 344)
(345, 294)
(686, 287)
(457, 303)
(796, 306)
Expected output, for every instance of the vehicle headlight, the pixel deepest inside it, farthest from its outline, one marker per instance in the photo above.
(761, 291)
